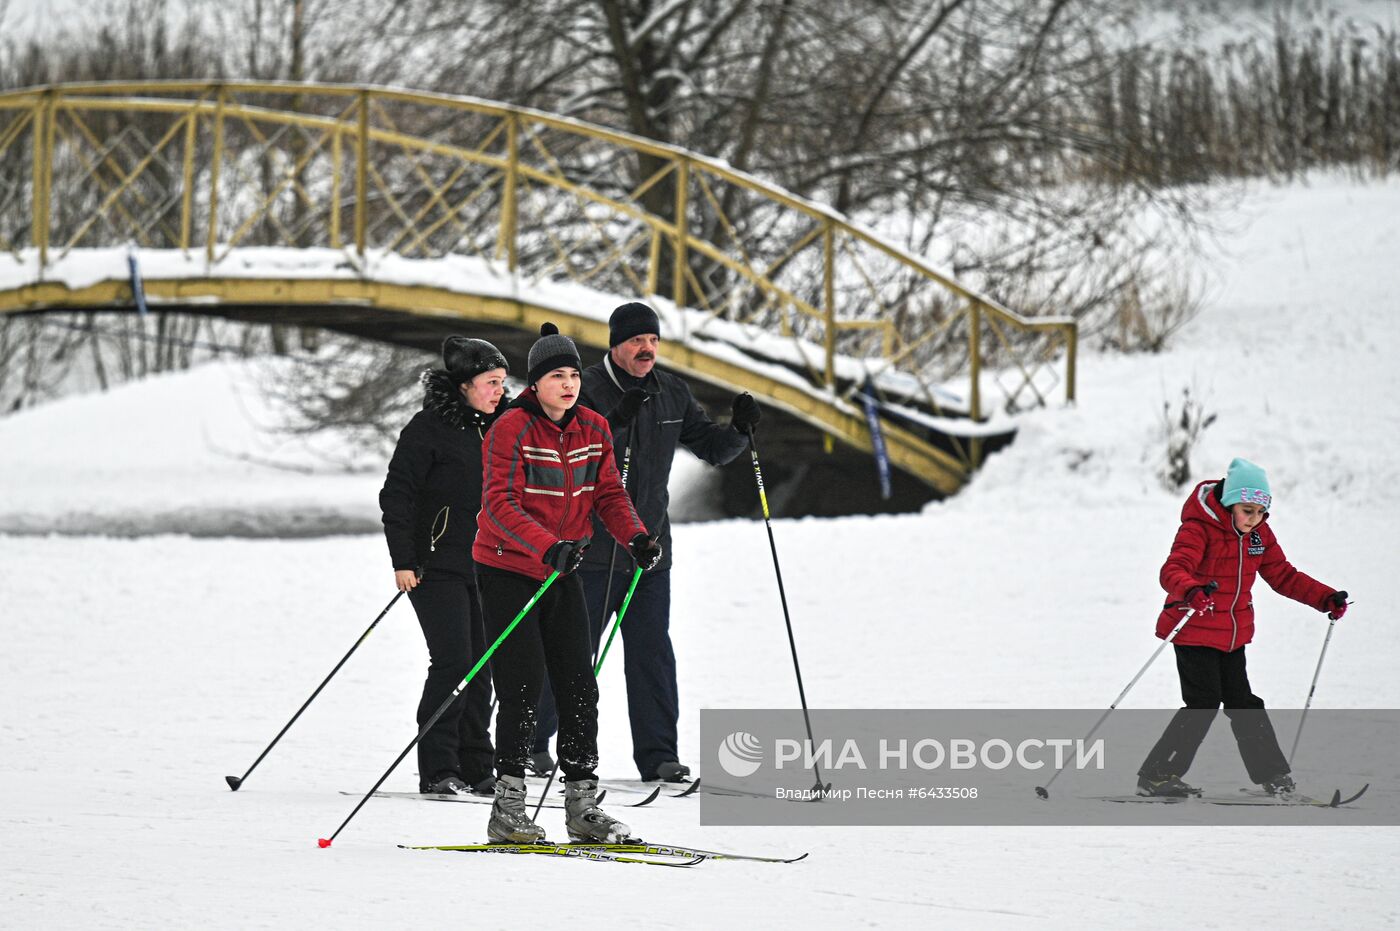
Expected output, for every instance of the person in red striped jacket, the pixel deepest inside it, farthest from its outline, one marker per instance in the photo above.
(547, 467)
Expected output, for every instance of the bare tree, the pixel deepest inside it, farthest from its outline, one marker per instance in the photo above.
(1033, 147)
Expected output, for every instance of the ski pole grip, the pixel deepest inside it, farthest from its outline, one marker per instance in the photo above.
(1209, 588)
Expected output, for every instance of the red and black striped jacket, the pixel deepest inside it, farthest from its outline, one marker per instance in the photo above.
(541, 483)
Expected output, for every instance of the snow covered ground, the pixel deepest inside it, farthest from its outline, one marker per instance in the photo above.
(136, 673)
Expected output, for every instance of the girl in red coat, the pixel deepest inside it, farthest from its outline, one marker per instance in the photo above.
(547, 467)
(1224, 538)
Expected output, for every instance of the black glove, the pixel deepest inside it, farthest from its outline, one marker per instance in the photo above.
(1335, 605)
(565, 555)
(746, 413)
(626, 410)
(645, 550)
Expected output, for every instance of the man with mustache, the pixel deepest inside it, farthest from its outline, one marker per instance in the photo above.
(650, 412)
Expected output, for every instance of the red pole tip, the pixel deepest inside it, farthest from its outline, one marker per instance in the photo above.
(323, 843)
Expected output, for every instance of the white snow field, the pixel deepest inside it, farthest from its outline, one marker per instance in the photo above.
(136, 673)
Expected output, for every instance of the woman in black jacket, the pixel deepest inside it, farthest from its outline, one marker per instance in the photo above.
(430, 499)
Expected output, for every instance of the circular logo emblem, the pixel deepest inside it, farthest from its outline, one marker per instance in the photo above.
(740, 754)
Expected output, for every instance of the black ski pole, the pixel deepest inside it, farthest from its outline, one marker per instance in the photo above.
(442, 709)
(787, 618)
(612, 561)
(235, 781)
(607, 596)
(1044, 791)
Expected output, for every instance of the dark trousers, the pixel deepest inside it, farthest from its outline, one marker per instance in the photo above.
(449, 612)
(1211, 678)
(649, 663)
(550, 644)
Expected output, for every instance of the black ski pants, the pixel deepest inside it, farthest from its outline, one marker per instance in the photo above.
(449, 611)
(1211, 678)
(649, 663)
(550, 644)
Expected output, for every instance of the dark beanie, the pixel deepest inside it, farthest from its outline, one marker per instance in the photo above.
(551, 351)
(632, 319)
(465, 358)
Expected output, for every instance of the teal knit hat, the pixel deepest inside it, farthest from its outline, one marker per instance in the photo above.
(1246, 483)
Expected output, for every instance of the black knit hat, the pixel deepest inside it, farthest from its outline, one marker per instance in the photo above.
(551, 351)
(632, 319)
(465, 358)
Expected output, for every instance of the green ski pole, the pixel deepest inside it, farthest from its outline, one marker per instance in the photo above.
(442, 709)
(617, 621)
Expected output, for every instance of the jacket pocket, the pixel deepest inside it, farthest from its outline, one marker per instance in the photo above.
(671, 431)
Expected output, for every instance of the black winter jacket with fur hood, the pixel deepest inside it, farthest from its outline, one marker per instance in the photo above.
(433, 490)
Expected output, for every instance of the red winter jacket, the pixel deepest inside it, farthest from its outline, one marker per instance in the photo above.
(1208, 547)
(541, 483)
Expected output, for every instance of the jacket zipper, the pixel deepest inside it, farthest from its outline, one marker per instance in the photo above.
(433, 533)
(568, 482)
(1239, 580)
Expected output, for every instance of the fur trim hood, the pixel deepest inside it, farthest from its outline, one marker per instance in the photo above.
(440, 395)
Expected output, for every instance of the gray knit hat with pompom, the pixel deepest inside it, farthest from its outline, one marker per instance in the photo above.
(551, 351)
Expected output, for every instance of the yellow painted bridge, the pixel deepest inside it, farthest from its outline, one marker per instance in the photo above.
(403, 216)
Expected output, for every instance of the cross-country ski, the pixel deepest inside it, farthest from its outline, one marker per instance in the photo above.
(659, 850)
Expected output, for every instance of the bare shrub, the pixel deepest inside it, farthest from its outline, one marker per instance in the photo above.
(360, 391)
(1148, 311)
(1181, 429)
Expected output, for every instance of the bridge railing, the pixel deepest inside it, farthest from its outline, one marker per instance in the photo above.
(214, 166)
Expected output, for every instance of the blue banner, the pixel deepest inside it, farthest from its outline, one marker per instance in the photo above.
(877, 437)
(138, 289)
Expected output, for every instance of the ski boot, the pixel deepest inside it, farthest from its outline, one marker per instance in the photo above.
(1165, 787)
(672, 771)
(540, 763)
(479, 774)
(449, 784)
(1280, 786)
(510, 823)
(586, 822)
